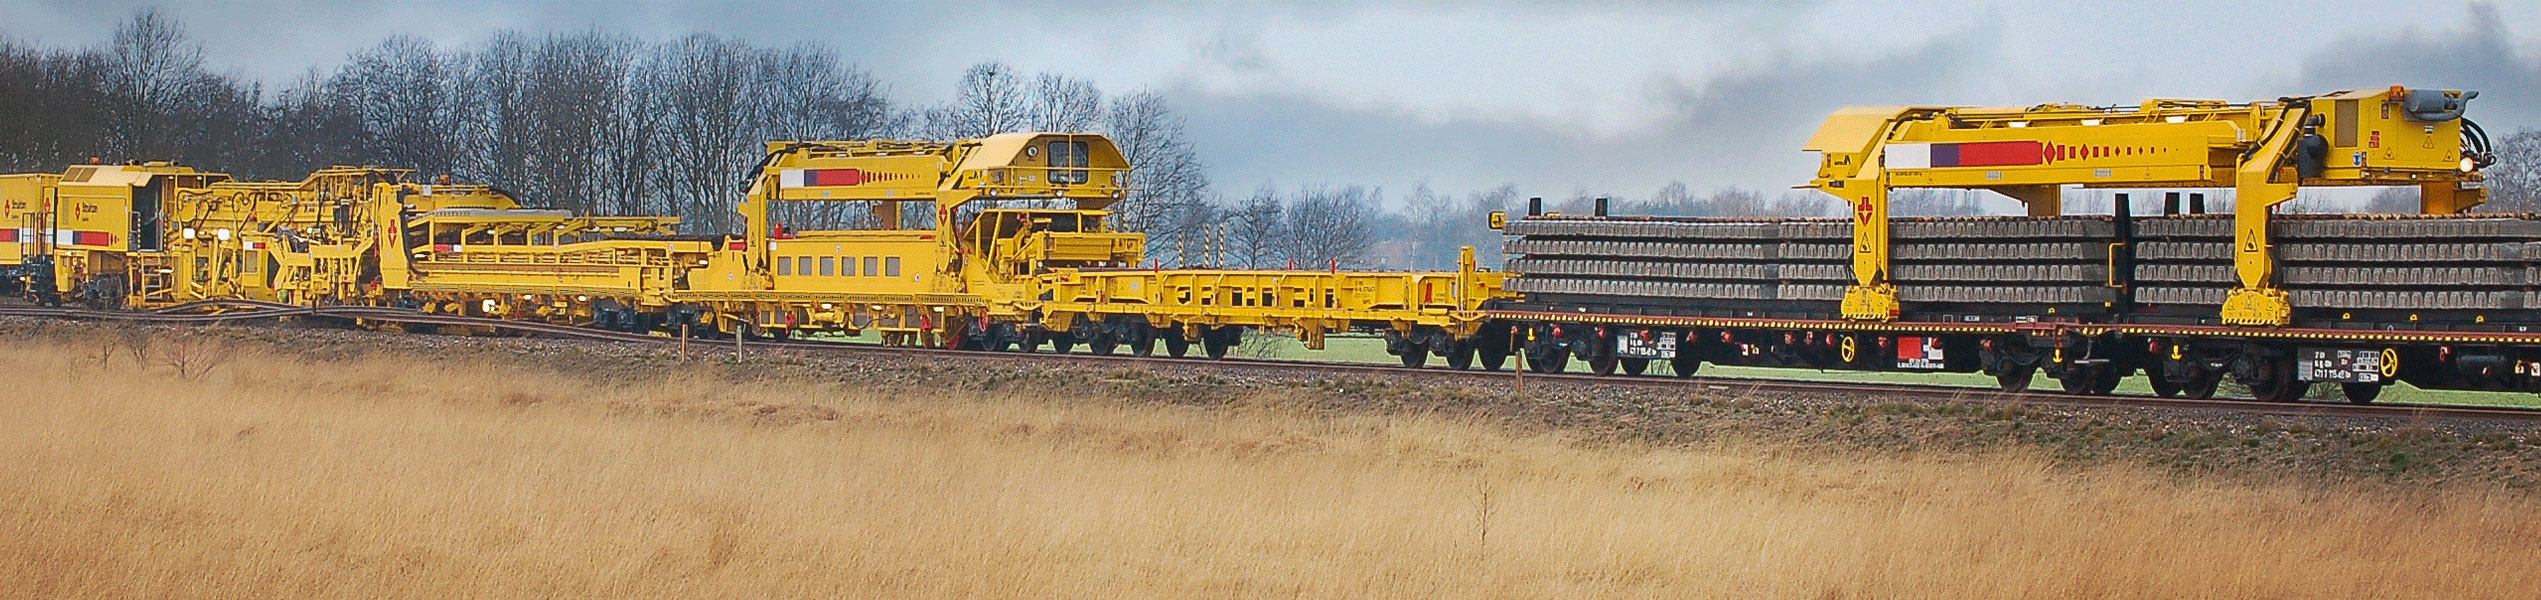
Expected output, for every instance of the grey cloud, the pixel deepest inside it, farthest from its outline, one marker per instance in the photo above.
(1744, 128)
(1237, 47)
(2480, 55)
(1747, 127)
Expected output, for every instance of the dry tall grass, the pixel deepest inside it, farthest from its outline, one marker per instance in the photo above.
(380, 477)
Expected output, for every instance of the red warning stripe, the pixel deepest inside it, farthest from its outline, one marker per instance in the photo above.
(1989, 154)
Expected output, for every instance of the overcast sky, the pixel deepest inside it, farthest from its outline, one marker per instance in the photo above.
(1551, 96)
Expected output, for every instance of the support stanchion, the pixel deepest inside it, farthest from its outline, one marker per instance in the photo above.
(1518, 349)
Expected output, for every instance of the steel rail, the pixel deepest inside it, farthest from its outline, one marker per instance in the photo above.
(220, 311)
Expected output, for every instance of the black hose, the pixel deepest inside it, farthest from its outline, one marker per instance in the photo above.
(2475, 145)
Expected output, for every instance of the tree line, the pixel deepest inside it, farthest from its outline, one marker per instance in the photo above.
(591, 121)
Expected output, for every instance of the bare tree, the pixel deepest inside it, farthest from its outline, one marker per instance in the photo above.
(1255, 231)
(1801, 203)
(1431, 223)
(404, 90)
(1166, 178)
(191, 354)
(55, 105)
(633, 139)
(1062, 103)
(2514, 183)
(1331, 228)
(989, 101)
(311, 124)
(1934, 202)
(151, 66)
(1199, 234)
(576, 81)
(2393, 201)
(709, 97)
(1439, 226)
(495, 102)
(809, 94)
(1674, 199)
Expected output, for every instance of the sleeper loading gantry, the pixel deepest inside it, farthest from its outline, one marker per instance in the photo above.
(2263, 151)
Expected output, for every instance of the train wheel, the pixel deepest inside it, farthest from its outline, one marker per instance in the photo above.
(2361, 393)
(1635, 366)
(998, 337)
(1494, 355)
(2202, 386)
(2273, 381)
(1414, 355)
(1546, 358)
(1217, 341)
(2015, 379)
(2163, 386)
(1062, 343)
(1460, 355)
(1559, 361)
(2105, 380)
(1142, 341)
(1103, 344)
(2277, 391)
(1685, 363)
(1175, 346)
(1603, 364)
(2077, 380)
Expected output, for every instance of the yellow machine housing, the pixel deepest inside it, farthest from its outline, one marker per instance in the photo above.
(367, 236)
(907, 275)
(23, 202)
(2263, 150)
(99, 217)
(1019, 235)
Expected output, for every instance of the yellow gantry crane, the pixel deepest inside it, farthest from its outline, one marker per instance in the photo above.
(2264, 151)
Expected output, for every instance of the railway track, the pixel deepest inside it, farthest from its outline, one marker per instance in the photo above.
(225, 311)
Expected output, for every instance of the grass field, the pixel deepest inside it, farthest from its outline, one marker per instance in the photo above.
(133, 474)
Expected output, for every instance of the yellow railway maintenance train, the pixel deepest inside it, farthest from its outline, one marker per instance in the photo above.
(965, 250)
(1004, 242)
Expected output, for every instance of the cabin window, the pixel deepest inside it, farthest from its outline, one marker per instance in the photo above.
(847, 266)
(891, 267)
(803, 264)
(785, 265)
(870, 269)
(1068, 154)
(829, 266)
